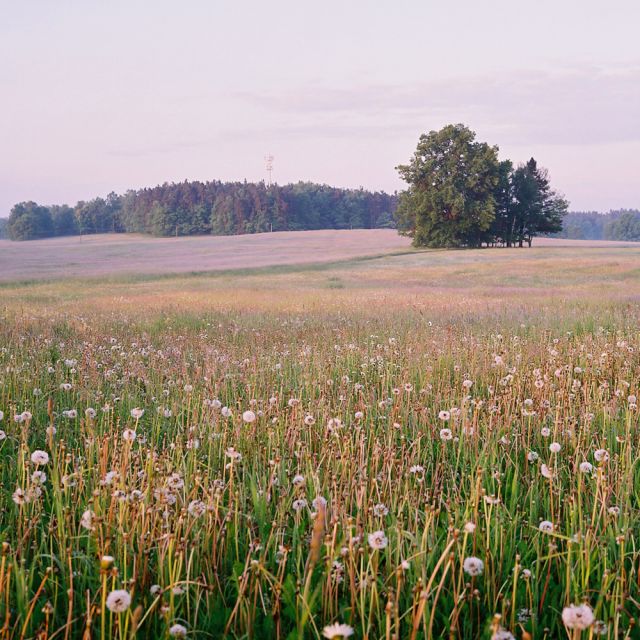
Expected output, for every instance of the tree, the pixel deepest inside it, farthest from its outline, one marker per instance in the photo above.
(625, 227)
(537, 209)
(29, 221)
(452, 179)
(64, 220)
(501, 231)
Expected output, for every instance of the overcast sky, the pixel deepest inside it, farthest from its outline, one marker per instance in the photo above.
(104, 96)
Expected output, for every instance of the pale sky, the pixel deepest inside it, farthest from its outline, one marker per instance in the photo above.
(106, 96)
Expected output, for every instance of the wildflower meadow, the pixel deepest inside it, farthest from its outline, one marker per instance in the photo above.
(392, 448)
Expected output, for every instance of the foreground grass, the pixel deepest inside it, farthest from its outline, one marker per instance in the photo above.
(325, 446)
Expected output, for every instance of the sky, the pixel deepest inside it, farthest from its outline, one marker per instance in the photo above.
(105, 96)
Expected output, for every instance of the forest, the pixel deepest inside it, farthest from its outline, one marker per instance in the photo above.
(619, 224)
(218, 208)
(197, 208)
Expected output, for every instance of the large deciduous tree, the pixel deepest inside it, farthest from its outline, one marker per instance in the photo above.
(29, 221)
(460, 195)
(452, 179)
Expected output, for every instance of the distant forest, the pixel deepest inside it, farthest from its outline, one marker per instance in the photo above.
(621, 224)
(218, 208)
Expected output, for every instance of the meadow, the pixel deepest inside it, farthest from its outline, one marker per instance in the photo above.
(401, 444)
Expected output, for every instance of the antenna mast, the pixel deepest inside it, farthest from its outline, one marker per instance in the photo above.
(268, 159)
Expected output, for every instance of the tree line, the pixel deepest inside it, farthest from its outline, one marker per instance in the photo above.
(461, 195)
(219, 208)
(620, 224)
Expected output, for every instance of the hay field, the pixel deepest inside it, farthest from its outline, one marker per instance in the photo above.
(416, 445)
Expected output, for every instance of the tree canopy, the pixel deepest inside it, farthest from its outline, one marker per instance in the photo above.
(460, 194)
(190, 208)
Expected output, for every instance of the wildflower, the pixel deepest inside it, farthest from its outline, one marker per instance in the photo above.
(155, 589)
(299, 504)
(178, 631)
(578, 616)
(532, 456)
(446, 434)
(40, 457)
(444, 415)
(545, 432)
(298, 481)
(469, 527)
(502, 634)
(128, 435)
(175, 482)
(137, 413)
(233, 454)
(90, 413)
(416, 468)
(586, 467)
(309, 420)
(196, 508)
(87, 520)
(546, 472)
(1, 415)
(108, 478)
(3, 435)
(545, 526)
(20, 496)
(380, 510)
(359, 415)
(38, 477)
(554, 447)
(226, 412)
(473, 566)
(601, 455)
(248, 417)
(337, 630)
(118, 601)
(319, 502)
(377, 540)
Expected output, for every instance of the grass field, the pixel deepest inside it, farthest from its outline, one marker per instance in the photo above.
(410, 444)
(130, 254)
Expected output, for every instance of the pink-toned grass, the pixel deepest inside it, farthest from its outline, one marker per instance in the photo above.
(112, 254)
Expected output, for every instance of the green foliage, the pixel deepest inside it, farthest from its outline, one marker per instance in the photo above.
(64, 220)
(29, 221)
(592, 225)
(460, 195)
(452, 180)
(536, 208)
(624, 227)
(198, 208)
